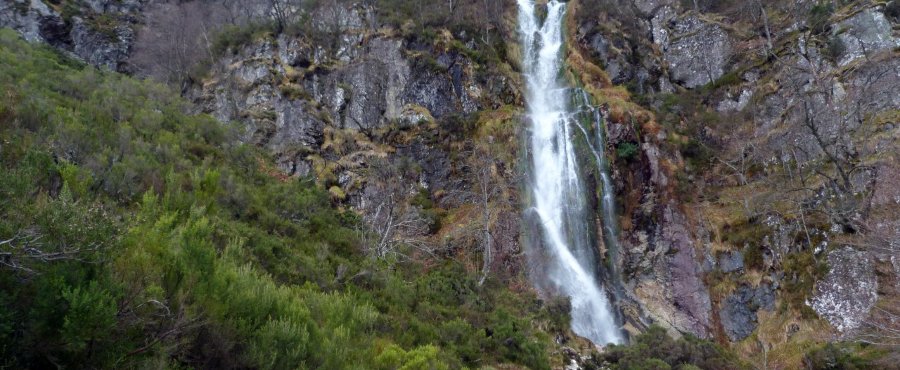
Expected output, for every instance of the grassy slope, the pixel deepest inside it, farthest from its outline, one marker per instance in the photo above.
(184, 249)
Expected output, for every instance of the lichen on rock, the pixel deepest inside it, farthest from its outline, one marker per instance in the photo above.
(848, 292)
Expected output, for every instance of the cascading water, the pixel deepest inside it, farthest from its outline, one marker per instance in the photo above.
(567, 260)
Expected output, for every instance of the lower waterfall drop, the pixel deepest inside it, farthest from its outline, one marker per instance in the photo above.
(567, 262)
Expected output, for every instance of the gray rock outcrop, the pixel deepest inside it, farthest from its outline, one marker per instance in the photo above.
(697, 51)
(731, 261)
(738, 311)
(101, 35)
(849, 290)
(865, 33)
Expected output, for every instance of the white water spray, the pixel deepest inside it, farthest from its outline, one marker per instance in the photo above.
(559, 204)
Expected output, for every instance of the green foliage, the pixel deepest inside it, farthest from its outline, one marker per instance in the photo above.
(697, 154)
(841, 356)
(753, 256)
(892, 10)
(174, 247)
(420, 358)
(627, 151)
(834, 48)
(801, 271)
(819, 16)
(686, 114)
(232, 37)
(748, 235)
(90, 317)
(729, 79)
(654, 349)
(105, 24)
(429, 211)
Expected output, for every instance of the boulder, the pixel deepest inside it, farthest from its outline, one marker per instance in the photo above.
(738, 311)
(865, 33)
(696, 51)
(849, 290)
(731, 261)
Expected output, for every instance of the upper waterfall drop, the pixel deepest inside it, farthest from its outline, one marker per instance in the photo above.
(568, 259)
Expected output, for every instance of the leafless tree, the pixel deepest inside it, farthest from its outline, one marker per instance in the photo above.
(392, 223)
(829, 120)
(287, 12)
(22, 250)
(161, 323)
(485, 193)
(179, 35)
(176, 38)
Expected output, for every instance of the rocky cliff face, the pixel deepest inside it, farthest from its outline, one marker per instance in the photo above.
(761, 186)
(710, 248)
(755, 144)
(296, 96)
(99, 32)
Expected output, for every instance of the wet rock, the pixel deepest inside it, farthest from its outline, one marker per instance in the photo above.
(435, 163)
(295, 124)
(865, 33)
(689, 291)
(764, 297)
(738, 319)
(657, 176)
(626, 57)
(673, 292)
(365, 95)
(731, 261)
(288, 92)
(849, 290)
(113, 6)
(895, 263)
(738, 313)
(294, 52)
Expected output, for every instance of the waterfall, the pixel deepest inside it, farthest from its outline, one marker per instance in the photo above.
(566, 262)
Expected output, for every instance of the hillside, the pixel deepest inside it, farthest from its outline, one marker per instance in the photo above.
(347, 184)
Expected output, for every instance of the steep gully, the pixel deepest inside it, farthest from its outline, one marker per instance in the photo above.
(565, 260)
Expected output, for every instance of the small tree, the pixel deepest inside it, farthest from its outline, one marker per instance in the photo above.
(391, 222)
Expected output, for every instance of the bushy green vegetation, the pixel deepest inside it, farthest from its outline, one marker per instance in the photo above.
(627, 151)
(845, 356)
(655, 350)
(134, 235)
(819, 16)
(801, 271)
(231, 37)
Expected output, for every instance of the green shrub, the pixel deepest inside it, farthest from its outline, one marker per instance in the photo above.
(801, 271)
(627, 151)
(819, 17)
(843, 356)
(654, 349)
(697, 154)
(180, 249)
(834, 48)
(231, 38)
